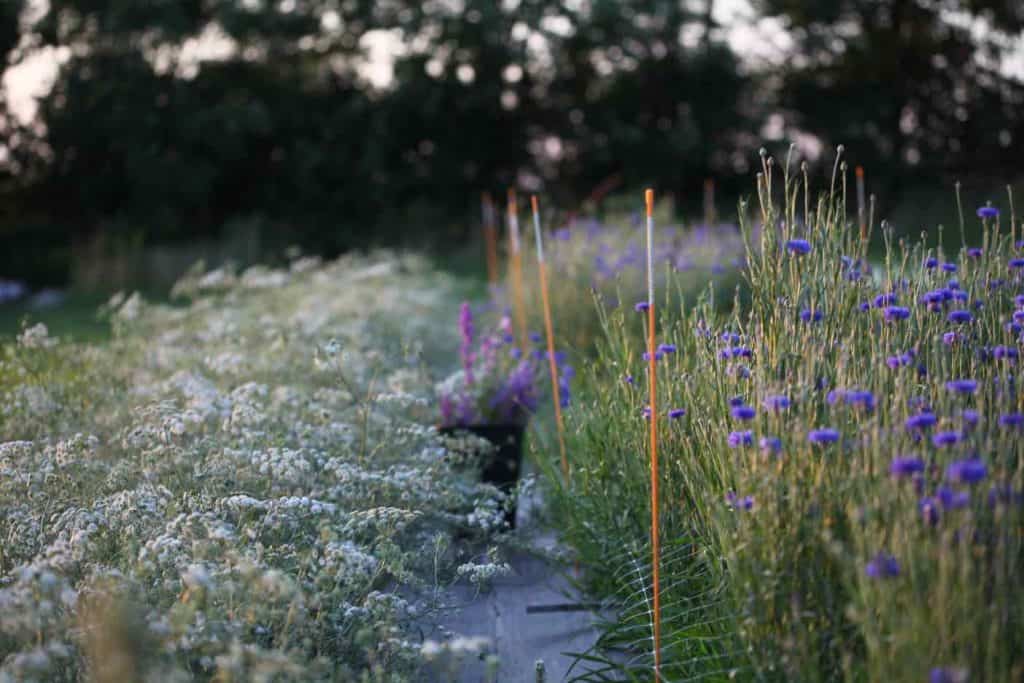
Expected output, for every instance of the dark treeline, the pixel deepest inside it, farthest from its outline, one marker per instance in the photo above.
(138, 141)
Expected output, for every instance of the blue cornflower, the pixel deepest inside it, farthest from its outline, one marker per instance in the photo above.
(641, 306)
(929, 508)
(1018, 301)
(1013, 420)
(947, 674)
(970, 417)
(864, 399)
(1006, 352)
(921, 421)
(731, 338)
(1018, 316)
(776, 402)
(741, 438)
(737, 401)
(960, 317)
(736, 352)
(905, 466)
(949, 267)
(629, 379)
(949, 338)
(962, 386)
(798, 247)
(1016, 263)
(823, 436)
(946, 439)
(967, 471)
(809, 316)
(974, 252)
(667, 348)
(743, 412)
(534, 337)
(770, 444)
(883, 300)
(1013, 326)
(896, 313)
(676, 413)
(952, 499)
(744, 503)
(864, 306)
(988, 212)
(658, 355)
(882, 566)
(931, 262)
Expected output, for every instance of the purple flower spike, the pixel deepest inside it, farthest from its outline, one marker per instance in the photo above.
(882, 566)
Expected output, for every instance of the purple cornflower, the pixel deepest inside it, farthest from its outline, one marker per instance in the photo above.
(929, 510)
(641, 306)
(988, 212)
(676, 413)
(864, 306)
(962, 386)
(882, 566)
(628, 379)
(667, 348)
(921, 421)
(905, 466)
(737, 401)
(896, 313)
(776, 402)
(1006, 352)
(811, 316)
(658, 355)
(1018, 301)
(970, 417)
(947, 438)
(736, 352)
(741, 438)
(1016, 263)
(743, 413)
(1012, 420)
(731, 338)
(744, 503)
(949, 338)
(967, 471)
(947, 674)
(931, 262)
(960, 317)
(798, 247)
(466, 348)
(770, 444)
(646, 412)
(883, 300)
(863, 399)
(823, 436)
(949, 267)
(974, 252)
(952, 499)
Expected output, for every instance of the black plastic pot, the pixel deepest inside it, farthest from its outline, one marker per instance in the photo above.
(503, 464)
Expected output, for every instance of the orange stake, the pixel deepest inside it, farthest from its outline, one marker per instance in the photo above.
(651, 371)
(556, 391)
(516, 268)
(490, 240)
(860, 205)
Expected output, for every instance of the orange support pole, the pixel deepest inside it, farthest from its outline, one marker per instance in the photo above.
(652, 382)
(516, 268)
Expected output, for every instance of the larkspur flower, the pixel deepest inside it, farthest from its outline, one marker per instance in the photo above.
(798, 247)
(905, 467)
(882, 566)
(825, 435)
(988, 212)
(740, 438)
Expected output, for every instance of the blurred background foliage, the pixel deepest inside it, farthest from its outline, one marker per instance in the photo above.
(195, 122)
